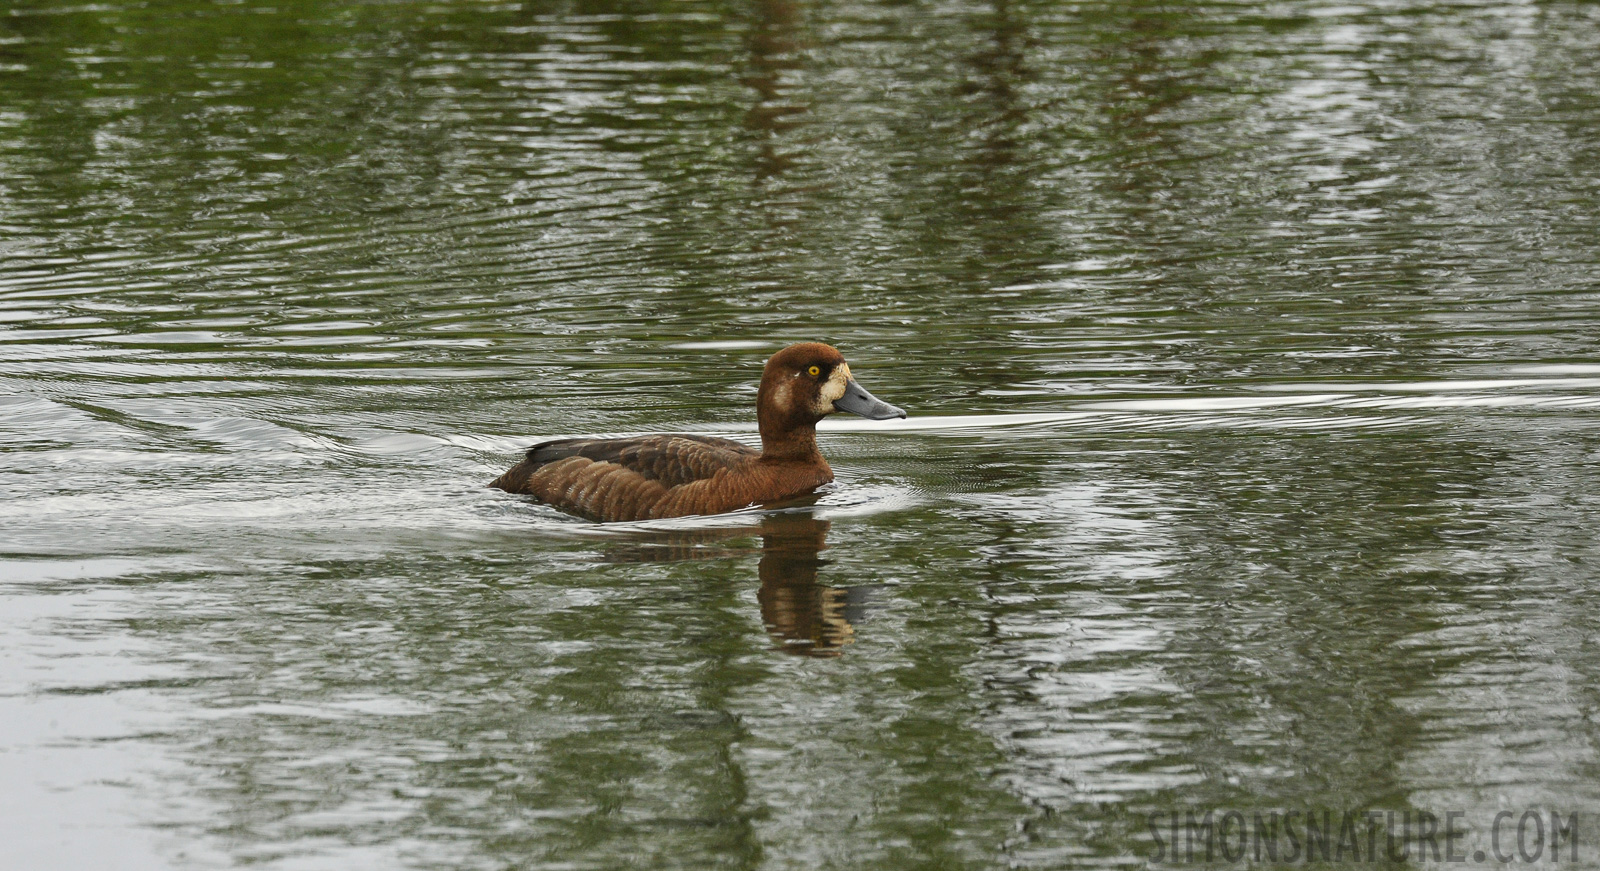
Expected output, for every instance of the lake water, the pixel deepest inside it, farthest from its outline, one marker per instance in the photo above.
(1252, 353)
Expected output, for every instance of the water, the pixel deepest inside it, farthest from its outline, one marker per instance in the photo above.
(1251, 352)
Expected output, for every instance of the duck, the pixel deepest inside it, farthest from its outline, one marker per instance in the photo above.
(654, 477)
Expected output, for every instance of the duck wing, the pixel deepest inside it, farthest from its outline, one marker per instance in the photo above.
(673, 460)
(619, 479)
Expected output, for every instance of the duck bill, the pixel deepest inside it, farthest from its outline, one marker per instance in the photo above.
(857, 400)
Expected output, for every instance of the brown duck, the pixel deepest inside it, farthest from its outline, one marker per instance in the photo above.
(656, 476)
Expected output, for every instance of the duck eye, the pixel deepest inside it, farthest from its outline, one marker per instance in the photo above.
(814, 371)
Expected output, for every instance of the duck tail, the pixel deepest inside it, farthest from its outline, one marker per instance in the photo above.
(516, 478)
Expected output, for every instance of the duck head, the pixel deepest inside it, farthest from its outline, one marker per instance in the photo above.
(800, 386)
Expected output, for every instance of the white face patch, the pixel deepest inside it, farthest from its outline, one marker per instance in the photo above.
(833, 388)
(783, 394)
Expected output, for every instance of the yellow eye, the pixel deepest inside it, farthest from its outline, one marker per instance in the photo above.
(814, 371)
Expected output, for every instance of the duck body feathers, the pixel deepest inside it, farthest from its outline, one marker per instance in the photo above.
(657, 476)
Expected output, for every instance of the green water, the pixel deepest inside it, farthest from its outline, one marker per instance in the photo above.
(1252, 353)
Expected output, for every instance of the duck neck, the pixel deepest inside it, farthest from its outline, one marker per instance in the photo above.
(788, 431)
(789, 441)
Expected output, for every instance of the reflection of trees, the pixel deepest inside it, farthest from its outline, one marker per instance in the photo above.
(982, 211)
(774, 45)
(536, 717)
(996, 70)
(1146, 72)
(218, 139)
(1264, 645)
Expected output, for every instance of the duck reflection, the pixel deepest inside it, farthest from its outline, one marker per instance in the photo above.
(803, 617)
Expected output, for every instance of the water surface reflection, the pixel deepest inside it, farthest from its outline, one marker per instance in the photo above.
(1252, 349)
